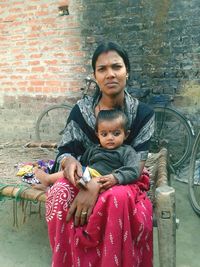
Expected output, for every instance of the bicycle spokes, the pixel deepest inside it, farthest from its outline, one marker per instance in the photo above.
(173, 131)
(194, 176)
(50, 124)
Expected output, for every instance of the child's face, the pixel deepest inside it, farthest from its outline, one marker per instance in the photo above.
(111, 134)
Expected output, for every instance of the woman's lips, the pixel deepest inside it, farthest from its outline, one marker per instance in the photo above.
(111, 84)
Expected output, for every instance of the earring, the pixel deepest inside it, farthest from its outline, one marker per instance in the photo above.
(127, 76)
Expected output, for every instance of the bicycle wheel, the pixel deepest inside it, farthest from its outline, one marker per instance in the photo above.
(194, 176)
(51, 122)
(172, 127)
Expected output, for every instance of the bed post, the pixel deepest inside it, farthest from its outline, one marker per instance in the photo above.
(165, 215)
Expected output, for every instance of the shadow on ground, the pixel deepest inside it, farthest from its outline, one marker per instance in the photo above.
(28, 245)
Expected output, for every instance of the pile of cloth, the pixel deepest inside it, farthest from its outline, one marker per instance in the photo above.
(25, 170)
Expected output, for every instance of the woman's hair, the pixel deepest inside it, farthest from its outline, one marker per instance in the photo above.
(110, 46)
(110, 115)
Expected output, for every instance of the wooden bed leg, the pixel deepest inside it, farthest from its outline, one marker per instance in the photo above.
(166, 224)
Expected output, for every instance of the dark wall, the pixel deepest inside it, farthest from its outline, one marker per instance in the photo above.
(161, 37)
(162, 40)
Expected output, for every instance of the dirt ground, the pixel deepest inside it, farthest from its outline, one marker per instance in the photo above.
(27, 245)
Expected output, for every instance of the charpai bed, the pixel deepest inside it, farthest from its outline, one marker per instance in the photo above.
(161, 194)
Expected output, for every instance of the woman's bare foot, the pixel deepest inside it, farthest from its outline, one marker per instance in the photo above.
(42, 176)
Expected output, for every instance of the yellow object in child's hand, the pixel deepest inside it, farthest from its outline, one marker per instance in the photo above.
(24, 170)
(93, 172)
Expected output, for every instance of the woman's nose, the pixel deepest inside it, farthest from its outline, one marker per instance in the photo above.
(110, 73)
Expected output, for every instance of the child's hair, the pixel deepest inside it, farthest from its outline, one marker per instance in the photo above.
(112, 114)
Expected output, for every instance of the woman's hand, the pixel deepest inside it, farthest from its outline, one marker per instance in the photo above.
(83, 204)
(72, 169)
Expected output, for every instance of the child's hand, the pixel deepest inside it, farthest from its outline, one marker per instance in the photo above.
(107, 181)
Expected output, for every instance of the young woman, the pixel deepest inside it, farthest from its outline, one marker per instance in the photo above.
(113, 228)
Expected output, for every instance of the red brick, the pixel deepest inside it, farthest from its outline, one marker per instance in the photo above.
(50, 89)
(38, 89)
(15, 77)
(4, 84)
(36, 56)
(53, 83)
(22, 70)
(20, 56)
(51, 62)
(10, 18)
(37, 83)
(23, 83)
(41, 13)
(37, 69)
(33, 35)
(33, 77)
(48, 20)
(32, 63)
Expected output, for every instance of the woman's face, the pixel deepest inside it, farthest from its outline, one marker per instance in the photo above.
(110, 73)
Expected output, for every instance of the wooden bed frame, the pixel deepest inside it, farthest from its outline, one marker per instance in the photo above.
(161, 194)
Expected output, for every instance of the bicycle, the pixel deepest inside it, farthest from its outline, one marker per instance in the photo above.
(168, 122)
(172, 128)
(194, 176)
(51, 122)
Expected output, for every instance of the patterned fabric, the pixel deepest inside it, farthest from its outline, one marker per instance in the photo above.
(119, 231)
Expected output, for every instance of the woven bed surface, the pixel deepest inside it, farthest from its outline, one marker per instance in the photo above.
(13, 153)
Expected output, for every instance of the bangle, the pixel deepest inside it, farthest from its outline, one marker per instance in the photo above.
(82, 183)
(86, 177)
(62, 163)
(61, 157)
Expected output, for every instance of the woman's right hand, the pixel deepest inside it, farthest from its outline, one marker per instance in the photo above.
(84, 202)
(72, 169)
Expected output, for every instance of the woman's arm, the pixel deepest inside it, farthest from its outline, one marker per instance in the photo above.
(72, 169)
(85, 200)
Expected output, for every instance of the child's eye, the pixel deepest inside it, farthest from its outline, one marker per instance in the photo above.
(104, 134)
(117, 133)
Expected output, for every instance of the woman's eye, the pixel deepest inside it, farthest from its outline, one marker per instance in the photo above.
(100, 69)
(117, 67)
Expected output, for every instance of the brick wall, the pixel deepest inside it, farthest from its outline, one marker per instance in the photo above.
(44, 57)
(41, 61)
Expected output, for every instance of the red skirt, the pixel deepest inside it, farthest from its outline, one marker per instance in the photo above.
(119, 231)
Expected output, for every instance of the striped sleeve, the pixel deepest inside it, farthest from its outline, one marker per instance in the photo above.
(77, 136)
